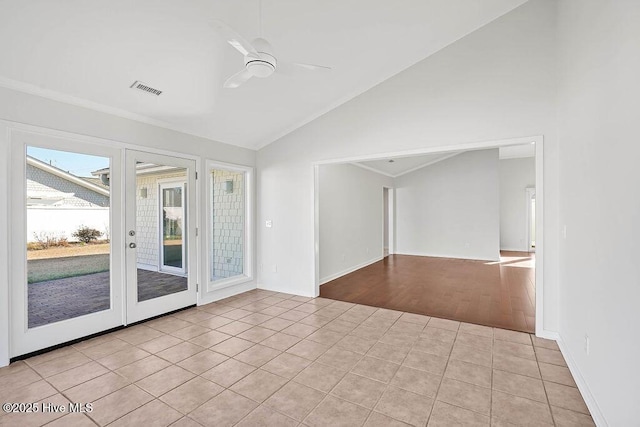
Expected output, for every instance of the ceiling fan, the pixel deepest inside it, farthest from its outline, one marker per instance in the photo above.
(259, 58)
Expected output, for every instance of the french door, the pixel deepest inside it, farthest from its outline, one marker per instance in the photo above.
(67, 258)
(160, 234)
(101, 237)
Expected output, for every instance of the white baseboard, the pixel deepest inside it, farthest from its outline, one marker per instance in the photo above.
(589, 400)
(226, 292)
(549, 335)
(447, 256)
(349, 270)
(286, 291)
(514, 249)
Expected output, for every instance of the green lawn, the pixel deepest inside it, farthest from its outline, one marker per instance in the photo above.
(40, 270)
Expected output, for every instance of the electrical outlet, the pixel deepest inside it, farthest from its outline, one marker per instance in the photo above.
(587, 345)
(268, 223)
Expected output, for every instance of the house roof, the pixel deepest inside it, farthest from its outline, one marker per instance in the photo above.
(100, 189)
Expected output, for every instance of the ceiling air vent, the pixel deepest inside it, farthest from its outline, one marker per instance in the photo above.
(145, 88)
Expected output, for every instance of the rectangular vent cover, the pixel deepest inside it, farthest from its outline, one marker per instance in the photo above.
(145, 88)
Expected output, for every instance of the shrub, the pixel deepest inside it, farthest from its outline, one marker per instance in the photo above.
(86, 234)
(46, 239)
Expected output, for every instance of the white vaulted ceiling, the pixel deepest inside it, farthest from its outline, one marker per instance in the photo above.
(90, 52)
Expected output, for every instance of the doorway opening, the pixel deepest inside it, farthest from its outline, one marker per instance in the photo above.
(385, 220)
(453, 224)
(531, 219)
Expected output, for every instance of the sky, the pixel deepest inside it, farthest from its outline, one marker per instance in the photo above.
(74, 163)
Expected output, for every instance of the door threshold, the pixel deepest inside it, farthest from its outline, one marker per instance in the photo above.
(88, 337)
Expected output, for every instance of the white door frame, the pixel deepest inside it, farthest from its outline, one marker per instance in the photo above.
(140, 310)
(538, 140)
(391, 220)
(530, 193)
(24, 339)
(171, 183)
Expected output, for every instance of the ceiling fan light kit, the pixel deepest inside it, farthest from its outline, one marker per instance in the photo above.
(261, 64)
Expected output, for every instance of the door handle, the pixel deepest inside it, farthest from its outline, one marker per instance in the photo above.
(132, 245)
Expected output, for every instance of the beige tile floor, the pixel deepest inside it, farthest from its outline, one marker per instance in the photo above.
(269, 359)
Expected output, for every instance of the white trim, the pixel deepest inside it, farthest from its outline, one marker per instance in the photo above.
(480, 145)
(66, 175)
(424, 165)
(212, 287)
(370, 169)
(175, 182)
(139, 310)
(432, 255)
(4, 248)
(516, 157)
(391, 216)
(539, 279)
(278, 289)
(316, 230)
(24, 339)
(226, 291)
(550, 335)
(432, 162)
(514, 250)
(96, 106)
(583, 386)
(350, 270)
(529, 191)
(93, 140)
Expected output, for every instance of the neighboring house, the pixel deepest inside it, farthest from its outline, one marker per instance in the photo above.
(158, 237)
(59, 202)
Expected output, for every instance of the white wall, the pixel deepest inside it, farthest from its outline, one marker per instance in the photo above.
(516, 175)
(496, 83)
(64, 221)
(598, 105)
(351, 218)
(451, 208)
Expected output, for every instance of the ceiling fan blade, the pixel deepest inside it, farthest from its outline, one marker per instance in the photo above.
(311, 67)
(234, 39)
(237, 79)
(294, 67)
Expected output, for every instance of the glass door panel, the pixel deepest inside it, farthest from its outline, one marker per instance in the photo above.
(172, 225)
(67, 235)
(160, 234)
(66, 197)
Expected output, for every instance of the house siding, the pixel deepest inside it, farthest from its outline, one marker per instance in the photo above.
(41, 181)
(148, 219)
(228, 224)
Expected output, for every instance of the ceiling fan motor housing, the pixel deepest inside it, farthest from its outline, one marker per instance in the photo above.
(264, 64)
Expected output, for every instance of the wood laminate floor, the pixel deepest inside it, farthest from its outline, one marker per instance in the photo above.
(498, 294)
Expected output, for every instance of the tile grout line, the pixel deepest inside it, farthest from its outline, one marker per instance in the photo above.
(331, 317)
(327, 394)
